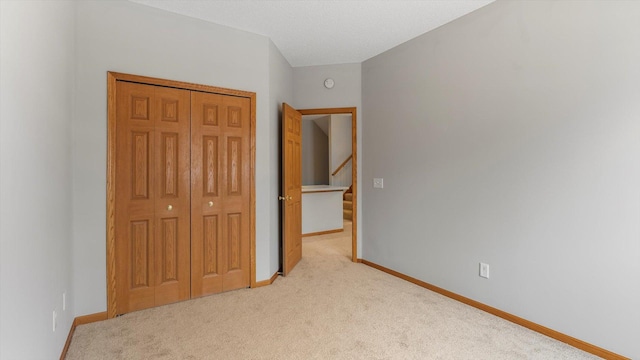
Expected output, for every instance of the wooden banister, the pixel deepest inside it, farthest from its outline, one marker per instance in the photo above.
(342, 165)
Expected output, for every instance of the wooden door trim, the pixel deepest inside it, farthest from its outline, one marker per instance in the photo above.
(354, 166)
(112, 79)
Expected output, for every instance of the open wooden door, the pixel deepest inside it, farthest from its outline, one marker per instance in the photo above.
(291, 187)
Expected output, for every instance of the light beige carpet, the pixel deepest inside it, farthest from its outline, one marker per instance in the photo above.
(328, 308)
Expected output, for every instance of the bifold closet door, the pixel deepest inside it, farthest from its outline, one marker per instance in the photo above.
(152, 202)
(220, 199)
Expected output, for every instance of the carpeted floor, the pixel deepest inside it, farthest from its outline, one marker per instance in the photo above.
(328, 308)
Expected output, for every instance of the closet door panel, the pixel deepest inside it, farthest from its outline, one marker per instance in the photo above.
(220, 131)
(135, 198)
(152, 175)
(206, 199)
(236, 187)
(173, 200)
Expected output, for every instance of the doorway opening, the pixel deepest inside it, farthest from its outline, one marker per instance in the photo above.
(344, 163)
(291, 195)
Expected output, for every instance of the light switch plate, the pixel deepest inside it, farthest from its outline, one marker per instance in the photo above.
(484, 270)
(378, 183)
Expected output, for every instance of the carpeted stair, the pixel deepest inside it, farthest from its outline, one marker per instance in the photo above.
(347, 206)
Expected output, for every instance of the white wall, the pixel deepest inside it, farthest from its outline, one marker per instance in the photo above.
(315, 153)
(309, 92)
(340, 139)
(36, 77)
(131, 38)
(510, 136)
(280, 90)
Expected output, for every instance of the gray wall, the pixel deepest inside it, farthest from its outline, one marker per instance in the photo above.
(280, 90)
(340, 141)
(315, 154)
(309, 92)
(151, 42)
(510, 136)
(36, 87)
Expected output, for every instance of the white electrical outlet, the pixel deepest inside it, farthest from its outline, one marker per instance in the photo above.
(64, 301)
(378, 183)
(55, 320)
(484, 270)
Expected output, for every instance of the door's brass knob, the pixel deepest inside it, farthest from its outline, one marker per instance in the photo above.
(210, 203)
(169, 207)
(289, 198)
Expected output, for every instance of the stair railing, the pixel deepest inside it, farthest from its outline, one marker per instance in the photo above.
(344, 163)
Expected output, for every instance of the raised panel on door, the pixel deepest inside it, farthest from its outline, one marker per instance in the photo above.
(152, 173)
(141, 265)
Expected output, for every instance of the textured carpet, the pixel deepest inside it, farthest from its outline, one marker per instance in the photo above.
(328, 308)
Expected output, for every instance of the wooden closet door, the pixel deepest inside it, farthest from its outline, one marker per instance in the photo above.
(220, 186)
(152, 205)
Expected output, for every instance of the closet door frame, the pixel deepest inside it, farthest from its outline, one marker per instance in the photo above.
(112, 79)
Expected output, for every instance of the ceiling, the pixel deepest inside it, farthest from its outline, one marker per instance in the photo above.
(322, 32)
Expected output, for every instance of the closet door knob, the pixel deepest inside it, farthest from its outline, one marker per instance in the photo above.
(169, 207)
(210, 203)
(282, 198)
